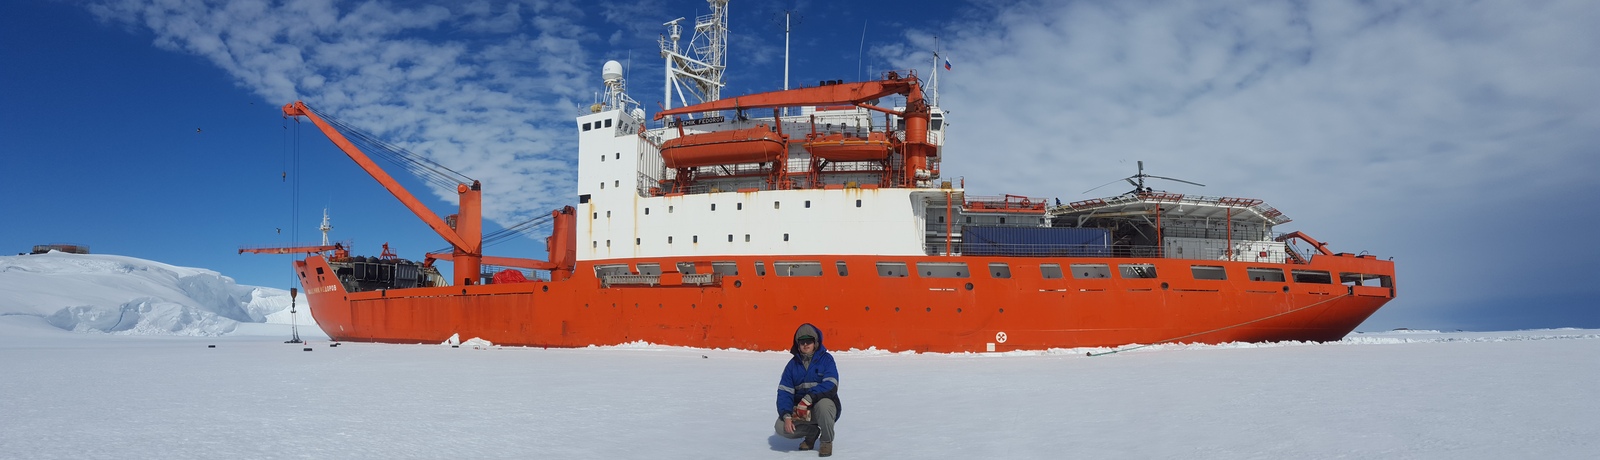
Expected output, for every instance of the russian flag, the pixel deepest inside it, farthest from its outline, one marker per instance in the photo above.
(946, 63)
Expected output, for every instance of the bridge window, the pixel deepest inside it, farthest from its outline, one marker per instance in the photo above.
(649, 269)
(999, 270)
(793, 268)
(895, 269)
(1137, 271)
(608, 122)
(725, 268)
(1311, 276)
(943, 269)
(1091, 271)
(1050, 271)
(1264, 274)
(1208, 272)
(585, 126)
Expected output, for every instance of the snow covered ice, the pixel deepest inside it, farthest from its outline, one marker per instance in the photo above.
(1403, 394)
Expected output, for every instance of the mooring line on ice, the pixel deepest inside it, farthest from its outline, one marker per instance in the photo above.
(1257, 320)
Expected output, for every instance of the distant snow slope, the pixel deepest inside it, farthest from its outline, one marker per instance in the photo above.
(127, 295)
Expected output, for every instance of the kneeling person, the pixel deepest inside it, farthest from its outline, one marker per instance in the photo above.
(808, 393)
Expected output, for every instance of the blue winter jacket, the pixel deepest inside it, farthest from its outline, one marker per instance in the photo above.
(818, 378)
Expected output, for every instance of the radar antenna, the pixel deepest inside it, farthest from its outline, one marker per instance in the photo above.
(701, 74)
(1138, 186)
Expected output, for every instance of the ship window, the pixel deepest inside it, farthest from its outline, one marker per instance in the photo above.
(747, 237)
(1136, 271)
(969, 219)
(843, 271)
(611, 269)
(892, 269)
(585, 126)
(999, 270)
(608, 214)
(738, 206)
(602, 158)
(725, 268)
(602, 185)
(761, 269)
(1208, 272)
(942, 269)
(1002, 220)
(616, 183)
(619, 155)
(696, 239)
(792, 268)
(941, 219)
(774, 205)
(669, 240)
(1363, 279)
(1264, 274)
(637, 242)
(686, 268)
(808, 203)
(1090, 271)
(1312, 276)
(646, 211)
(1050, 271)
(595, 244)
(596, 215)
(608, 122)
(730, 237)
(608, 243)
(584, 198)
(669, 209)
(935, 124)
(649, 269)
(319, 272)
(858, 203)
(786, 237)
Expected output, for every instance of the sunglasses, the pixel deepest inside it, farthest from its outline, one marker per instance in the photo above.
(808, 341)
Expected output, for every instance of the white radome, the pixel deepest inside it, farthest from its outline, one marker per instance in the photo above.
(612, 71)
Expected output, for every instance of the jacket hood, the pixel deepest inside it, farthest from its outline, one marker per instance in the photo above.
(805, 329)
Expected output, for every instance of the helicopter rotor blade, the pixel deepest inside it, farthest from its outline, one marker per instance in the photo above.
(1103, 185)
(1176, 180)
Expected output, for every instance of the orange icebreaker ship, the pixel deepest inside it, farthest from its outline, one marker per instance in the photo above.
(724, 222)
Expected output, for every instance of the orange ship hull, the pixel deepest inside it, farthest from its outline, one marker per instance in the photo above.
(861, 310)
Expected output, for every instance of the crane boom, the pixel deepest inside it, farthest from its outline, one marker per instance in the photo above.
(466, 237)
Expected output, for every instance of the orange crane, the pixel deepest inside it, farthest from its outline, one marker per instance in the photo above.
(466, 236)
(862, 94)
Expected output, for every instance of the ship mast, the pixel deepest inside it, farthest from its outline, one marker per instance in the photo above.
(699, 74)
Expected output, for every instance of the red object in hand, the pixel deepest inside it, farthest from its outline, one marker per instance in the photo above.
(802, 411)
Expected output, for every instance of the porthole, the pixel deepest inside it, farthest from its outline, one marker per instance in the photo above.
(736, 283)
(547, 289)
(969, 286)
(1164, 286)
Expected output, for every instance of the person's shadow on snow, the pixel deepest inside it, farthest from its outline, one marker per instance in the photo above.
(782, 444)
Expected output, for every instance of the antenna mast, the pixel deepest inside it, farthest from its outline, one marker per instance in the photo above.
(325, 226)
(699, 75)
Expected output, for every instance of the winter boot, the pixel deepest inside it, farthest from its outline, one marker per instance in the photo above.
(825, 449)
(808, 442)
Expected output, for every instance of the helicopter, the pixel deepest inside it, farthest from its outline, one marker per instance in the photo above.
(1138, 186)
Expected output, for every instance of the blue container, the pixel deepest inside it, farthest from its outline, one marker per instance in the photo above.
(1035, 241)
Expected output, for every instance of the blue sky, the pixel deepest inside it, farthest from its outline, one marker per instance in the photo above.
(1460, 138)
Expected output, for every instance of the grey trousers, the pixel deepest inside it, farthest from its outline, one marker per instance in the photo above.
(823, 415)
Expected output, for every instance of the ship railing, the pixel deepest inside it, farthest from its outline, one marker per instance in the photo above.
(1272, 215)
(937, 248)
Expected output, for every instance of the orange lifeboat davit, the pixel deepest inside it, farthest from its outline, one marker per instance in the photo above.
(836, 147)
(749, 145)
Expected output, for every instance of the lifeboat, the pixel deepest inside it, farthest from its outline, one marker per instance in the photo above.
(748, 145)
(836, 147)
